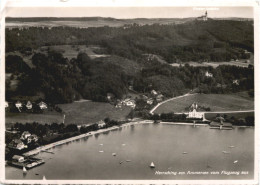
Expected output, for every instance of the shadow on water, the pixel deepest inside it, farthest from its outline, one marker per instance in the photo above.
(59, 146)
(106, 133)
(85, 138)
(96, 135)
(132, 129)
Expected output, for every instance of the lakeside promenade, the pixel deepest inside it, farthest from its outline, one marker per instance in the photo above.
(68, 140)
(71, 139)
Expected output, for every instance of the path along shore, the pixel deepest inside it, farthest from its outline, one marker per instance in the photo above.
(52, 145)
(68, 140)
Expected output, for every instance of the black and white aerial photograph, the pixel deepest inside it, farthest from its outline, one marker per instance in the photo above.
(130, 93)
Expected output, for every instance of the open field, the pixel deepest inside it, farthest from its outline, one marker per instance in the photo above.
(95, 22)
(82, 112)
(86, 112)
(72, 51)
(216, 102)
(241, 63)
(29, 118)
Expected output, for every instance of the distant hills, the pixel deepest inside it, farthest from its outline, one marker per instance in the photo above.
(84, 22)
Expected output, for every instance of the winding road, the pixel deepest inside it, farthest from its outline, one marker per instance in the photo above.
(188, 94)
(174, 98)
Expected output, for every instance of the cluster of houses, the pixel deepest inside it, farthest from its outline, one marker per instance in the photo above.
(155, 96)
(25, 139)
(149, 98)
(126, 102)
(19, 105)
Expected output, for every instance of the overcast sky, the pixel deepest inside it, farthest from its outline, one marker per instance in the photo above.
(131, 12)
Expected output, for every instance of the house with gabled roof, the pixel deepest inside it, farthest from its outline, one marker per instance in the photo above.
(29, 105)
(17, 144)
(25, 135)
(19, 105)
(43, 105)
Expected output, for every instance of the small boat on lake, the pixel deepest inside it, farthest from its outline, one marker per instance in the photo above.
(24, 170)
(235, 161)
(152, 165)
(114, 154)
(121, 162)
(232, 146)
(128, 160)
(101, 151)
(184, 152)
(225, 152)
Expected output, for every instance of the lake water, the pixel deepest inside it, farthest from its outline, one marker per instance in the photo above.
(142, 144)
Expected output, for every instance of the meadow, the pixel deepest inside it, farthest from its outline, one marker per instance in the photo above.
(216, 102)
(87, 112)
(82, 112)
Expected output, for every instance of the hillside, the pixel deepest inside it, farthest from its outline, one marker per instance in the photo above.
(213, 40)
(216, 102)
(63, 64)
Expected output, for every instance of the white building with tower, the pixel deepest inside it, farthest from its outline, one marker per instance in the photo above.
(193, 112)
(203, 17)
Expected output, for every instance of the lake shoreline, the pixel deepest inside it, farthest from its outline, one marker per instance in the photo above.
(71, 139)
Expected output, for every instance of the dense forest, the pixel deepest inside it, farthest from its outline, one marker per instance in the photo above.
(61, 80)
(214, 40)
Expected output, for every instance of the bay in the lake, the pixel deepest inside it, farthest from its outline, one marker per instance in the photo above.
(172, 148)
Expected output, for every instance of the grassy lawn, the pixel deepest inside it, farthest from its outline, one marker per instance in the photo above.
(90, 112)
(48, 117)
(241, 63)
(72, 51)
(216, 102)
(84, 112)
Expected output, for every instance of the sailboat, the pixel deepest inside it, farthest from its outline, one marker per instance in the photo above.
(24, 170)
(152, 165)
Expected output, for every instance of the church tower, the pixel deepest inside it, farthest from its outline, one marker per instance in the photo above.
(206, 16)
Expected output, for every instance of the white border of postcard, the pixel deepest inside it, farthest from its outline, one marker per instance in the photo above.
(128, 3)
